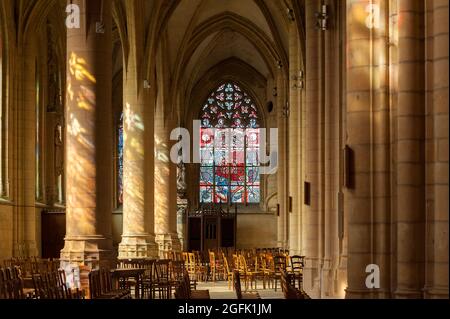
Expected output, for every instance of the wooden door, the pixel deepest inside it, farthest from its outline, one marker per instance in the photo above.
(53, 232)
(211, 238)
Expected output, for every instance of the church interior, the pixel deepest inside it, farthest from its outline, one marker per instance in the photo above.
(241, 149)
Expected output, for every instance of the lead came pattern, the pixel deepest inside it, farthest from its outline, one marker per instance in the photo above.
(229, 142)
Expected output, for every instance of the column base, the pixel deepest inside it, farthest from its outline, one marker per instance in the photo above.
(436, 293)
(408, 294)
(138, 246)
(88, 251)
(168, 242)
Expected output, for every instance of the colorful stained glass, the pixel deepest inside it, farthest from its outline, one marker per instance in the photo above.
(229, 147)
(207, 156)
(237, 175)
(221, 194)
(252, 138)
(238, 194)
(253, 195)
(253, 176)
(253, 157)
(206, 176)
(206, 137)
(221, 157)
(237, 157)
(229, 107)
(120, 161)
(206, 194)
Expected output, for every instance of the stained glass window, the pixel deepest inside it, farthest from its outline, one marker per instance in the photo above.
(120, 161)
(229, 147)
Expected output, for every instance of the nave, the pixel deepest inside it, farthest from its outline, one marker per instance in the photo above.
(135, 133)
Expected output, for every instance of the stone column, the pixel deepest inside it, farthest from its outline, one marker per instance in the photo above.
(311, 211)
(330, 149)
(359, 123)
(410, 151)
(165, 187)
(282, 177)
(436, 285)
(89, 135)
(293, 122)
(26, 66)
(138, 239)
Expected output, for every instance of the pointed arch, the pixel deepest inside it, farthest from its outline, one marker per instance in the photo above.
(229, 147)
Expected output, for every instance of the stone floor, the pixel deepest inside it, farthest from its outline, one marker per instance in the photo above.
(219, 290)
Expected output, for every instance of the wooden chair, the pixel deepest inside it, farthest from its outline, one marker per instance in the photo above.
(250, 275)
(268, 270)
(212, 266)
(238, 289)
(297, 265)
(162, 279)
(228, 273)
(177, 270)
(280, 265)
(148, 279)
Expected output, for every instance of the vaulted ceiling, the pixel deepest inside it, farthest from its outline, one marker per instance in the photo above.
(202, 33)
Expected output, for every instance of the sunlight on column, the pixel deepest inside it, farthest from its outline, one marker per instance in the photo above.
(81, 164)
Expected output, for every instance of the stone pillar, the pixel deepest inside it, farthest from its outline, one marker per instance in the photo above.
(311, 211)
(293, 122)
(181, 222)
(410, 151)
(89, 135)
(359, 124)
(282, 177)
(138, 239)
(330, 149)
(436, 281)
(25, 233)
(165, 187)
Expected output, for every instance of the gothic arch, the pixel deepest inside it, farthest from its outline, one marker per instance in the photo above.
(234, 70)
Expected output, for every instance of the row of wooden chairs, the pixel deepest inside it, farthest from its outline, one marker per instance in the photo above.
(32, 265)
(52, 285)
(254, 266)
(101, 286)
(160, 279)
(11, 284)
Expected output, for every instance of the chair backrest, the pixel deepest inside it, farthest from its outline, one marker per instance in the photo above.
(177, 270)
(280, 263)
(226, 267)
(237, 284)
(106, 284)
(243, 264)
(41, 286)
(148, 265)
(212, 259)
(94, 284)
(297, 263)
(162, 270)
(187, 285)
(236, 261)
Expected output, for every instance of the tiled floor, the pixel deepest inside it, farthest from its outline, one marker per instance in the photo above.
(219, 290)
